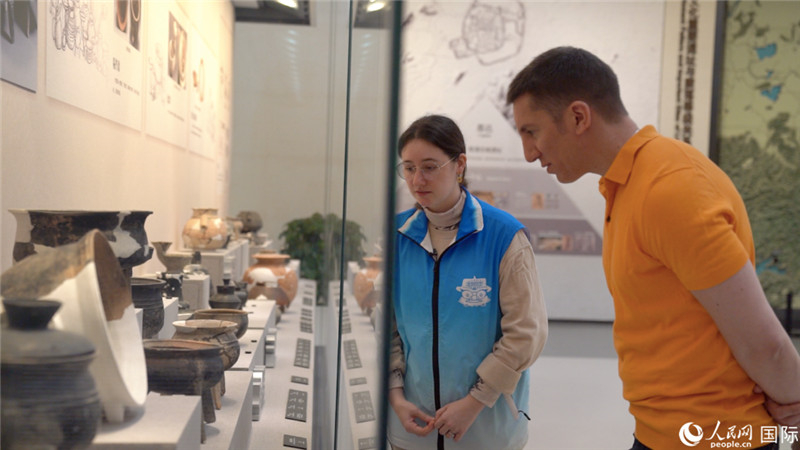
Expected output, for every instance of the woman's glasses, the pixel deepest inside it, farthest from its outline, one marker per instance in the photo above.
(428, 169)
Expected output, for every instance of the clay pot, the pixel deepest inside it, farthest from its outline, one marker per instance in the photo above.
(239, 317)
(174, 262)
(185, 367)
(222, 332)
(205, 230)
(124, 231)
(364, 289)
(87, 278)
(251, 221)
(270, 266)
(225, 297)
(241, 292)
(147, 294)
(49, 399)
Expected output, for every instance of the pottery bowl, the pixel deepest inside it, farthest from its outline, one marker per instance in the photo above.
(239, 317)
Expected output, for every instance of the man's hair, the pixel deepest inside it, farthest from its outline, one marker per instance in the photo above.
(563, 75)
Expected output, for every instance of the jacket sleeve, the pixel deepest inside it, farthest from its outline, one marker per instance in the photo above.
(523, 324)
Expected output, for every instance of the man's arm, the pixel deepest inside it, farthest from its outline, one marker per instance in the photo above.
(757, 340)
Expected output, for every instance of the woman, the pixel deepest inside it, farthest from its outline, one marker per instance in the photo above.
(469, 315)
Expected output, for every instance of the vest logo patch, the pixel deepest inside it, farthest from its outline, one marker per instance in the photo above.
(474, 292)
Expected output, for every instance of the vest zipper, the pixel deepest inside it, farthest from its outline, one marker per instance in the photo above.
(435, 313)
(435, 350)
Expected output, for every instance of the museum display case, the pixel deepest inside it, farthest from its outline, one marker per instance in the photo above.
(200, 364)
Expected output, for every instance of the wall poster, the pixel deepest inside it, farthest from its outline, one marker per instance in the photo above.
(203, 86)
(94, 59)
(18, 42)
(759, 133)
(167, 96)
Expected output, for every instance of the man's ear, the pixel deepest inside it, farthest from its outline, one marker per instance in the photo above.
(580, 116)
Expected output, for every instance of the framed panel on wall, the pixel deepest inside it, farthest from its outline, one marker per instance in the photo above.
(758, 123)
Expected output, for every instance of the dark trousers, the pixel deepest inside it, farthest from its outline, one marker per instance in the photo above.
(639, 446)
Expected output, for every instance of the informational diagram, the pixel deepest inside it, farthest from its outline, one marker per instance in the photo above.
(91, 63)
(167, 98)
(458, 60)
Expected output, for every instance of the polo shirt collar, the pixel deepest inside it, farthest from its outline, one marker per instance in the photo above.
(621, 167)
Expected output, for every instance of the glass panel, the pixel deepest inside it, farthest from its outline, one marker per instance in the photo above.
(370, 158)
(312, 124)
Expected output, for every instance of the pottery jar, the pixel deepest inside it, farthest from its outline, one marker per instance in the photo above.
(147, 294)
(225, 297)
(251, 221)
(364, 289)
(268, 265)
(49, 398)
(205, 230)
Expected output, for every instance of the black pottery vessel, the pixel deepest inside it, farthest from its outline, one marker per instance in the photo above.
(49, 399)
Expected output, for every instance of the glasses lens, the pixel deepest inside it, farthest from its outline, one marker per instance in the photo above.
(405, 171)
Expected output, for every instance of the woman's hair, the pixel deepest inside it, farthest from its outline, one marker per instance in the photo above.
(440, 131)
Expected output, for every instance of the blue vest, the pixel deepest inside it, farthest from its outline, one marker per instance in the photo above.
(448, 316)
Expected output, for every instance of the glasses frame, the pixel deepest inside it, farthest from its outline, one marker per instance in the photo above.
(400, 168)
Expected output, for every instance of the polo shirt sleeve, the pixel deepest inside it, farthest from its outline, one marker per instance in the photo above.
(689, 223)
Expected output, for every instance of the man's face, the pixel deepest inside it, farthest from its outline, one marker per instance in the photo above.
(547, 140)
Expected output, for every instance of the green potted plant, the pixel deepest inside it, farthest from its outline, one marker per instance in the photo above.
(317, 242)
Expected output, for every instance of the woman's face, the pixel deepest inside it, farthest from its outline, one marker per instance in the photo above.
(431, 175)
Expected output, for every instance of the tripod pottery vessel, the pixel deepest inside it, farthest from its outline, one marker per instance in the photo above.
(205, 230)
(269, 266)
(185, 367)
(49, 399)
(221, 332)
(364, 283)
(147, 294)
(96, 303)
(124, 231)
(237, 316)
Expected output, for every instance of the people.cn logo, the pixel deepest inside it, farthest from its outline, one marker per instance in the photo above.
(689, 439)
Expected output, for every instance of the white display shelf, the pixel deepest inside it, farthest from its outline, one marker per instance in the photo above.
(234, 420)
(166, 422)
(359, 381)
(290, 373)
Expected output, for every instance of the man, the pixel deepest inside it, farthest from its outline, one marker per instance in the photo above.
(696, 339)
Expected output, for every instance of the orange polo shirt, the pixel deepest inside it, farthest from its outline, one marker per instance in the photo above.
(676, 223)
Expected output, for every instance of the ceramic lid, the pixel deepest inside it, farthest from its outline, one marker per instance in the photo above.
(27, 340)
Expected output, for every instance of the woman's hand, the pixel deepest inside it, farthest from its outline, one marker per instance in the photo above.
(788, 415)
(410, 416)
(454, 419)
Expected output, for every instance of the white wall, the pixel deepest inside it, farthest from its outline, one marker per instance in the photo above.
(57, 156)
(289, 131)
